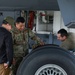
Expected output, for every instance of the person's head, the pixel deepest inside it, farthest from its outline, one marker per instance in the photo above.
(20, 23)
(8, 23)
(62, 35)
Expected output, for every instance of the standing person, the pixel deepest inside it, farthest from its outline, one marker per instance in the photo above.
(66, 39)
(6, 46)
(20, 38)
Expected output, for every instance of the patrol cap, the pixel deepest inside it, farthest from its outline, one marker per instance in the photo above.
(10, 20)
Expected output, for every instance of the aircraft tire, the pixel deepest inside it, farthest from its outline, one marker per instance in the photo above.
(48, 60)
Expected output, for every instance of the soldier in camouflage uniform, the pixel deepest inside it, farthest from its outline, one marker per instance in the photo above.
(66, 38)
(20, 41)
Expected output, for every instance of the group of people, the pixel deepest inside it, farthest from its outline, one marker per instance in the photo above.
(14, 43)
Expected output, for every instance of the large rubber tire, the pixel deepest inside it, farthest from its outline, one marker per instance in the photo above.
(48, 60)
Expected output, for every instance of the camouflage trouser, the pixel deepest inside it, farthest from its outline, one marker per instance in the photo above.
(17, 63)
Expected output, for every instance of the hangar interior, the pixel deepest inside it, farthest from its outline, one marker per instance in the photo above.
(47, 17)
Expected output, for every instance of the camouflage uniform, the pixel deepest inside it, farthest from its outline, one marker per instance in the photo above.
(68, 43)
(20, 44)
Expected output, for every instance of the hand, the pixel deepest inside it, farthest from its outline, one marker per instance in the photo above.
(5, 65)
(42, 43)
(38, 45)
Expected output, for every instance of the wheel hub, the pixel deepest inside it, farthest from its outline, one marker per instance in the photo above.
(51, 69)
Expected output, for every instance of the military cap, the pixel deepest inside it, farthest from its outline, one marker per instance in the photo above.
(10, 20)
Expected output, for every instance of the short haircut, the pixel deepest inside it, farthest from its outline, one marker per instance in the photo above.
(20, 19)
(63, 32)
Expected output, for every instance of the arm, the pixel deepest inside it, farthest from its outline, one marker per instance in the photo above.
(9, 49)
(36, 39)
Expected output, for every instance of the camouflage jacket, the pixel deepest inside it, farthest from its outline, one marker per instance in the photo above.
(20, 41)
